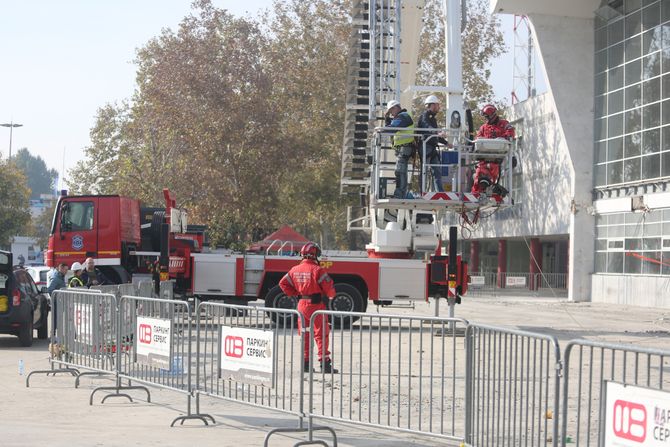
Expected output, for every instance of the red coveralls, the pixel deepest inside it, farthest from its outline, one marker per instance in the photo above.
(500, 128)
(303, 280)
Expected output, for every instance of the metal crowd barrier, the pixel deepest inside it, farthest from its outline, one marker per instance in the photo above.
(513, 387)
(589, 365)
(396, 372)
(155, 336)
(82, 335)
(253, 356)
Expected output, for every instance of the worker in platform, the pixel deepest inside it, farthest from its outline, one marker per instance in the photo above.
(403, 143)
(310, 283)
(427, 120)
(487, 172)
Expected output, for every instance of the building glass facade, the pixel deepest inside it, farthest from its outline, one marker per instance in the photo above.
(632, 130)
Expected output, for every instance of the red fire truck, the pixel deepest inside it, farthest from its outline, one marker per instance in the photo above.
(126, 239)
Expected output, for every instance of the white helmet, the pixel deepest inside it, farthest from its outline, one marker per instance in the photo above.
(432, 99)
(391, 104)
(76, 266)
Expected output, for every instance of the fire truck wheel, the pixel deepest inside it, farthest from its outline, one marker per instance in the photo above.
(347, 299)
(277, 299)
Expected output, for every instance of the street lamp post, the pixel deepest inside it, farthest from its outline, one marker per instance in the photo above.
(11, 126)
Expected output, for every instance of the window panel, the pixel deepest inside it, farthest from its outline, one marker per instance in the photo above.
(615, 102)
(614, 262)
(601, 244)
(651, 263)
(651, 141)
(601, 262)
(615, 78)
(632, 145)
(600, 106)
(651, 90)
(665, 11)
(632, 265)
(633, 219)
(632, 5)
(614, 172)
(615, 125)
(615, 31)
(651, 243)
(633, 244)
(633, 72)
(601, 61)
(633, 96)
(633, 47)
(633, 24)
(651, 65)
(601, 38)
(665, 165)
(600, 129)
(651, 166)
(666, 86)
(616, 219)
(631, 169)
(652, 40)
(601, 152)
(653, 229)
(651, 16)
(601, 173)
(615, 149)
(615, 56)
(633, 120)
(601, 83)
(651, 115)
(666, 111)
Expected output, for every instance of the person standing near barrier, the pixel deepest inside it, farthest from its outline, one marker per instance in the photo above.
(76, 280)
(92, 276)
(58, 278)
(310, 283)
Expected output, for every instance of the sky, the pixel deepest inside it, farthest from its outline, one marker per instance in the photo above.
(62, 60)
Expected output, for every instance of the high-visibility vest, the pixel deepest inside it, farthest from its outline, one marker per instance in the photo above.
(75, 282)
(404, 137)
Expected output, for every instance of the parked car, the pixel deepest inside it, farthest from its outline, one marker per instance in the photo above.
(23, 307)
(40, 274)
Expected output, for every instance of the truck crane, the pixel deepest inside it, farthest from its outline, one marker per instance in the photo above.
(404, 260)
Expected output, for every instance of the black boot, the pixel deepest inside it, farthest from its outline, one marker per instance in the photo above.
(305, 366)
(327, 367)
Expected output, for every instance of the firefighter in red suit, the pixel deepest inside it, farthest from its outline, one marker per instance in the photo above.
(311, 284)
(487, 172)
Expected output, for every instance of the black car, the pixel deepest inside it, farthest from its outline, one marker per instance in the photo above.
(23, 307)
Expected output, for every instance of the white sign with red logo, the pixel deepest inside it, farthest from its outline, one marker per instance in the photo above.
(247, 355)
(477, 281)
(154, 342)
(515, 281)
(83, 322)
(636, 416)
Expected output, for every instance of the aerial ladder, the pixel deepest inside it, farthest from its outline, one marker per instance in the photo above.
(383, 61)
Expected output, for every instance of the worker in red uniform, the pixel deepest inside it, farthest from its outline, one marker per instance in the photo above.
(311, 284)
(487, 172)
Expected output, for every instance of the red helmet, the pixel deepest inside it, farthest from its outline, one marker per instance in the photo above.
(489, 112)
(310, 250)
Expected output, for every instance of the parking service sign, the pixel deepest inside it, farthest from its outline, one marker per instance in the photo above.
(154, 342)
(247, 355)
(636, 416)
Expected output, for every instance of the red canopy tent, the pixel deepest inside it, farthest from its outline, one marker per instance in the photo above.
(291, 240)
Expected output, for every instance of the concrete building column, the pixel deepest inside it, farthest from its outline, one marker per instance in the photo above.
(474, 257)
(535, 264)
(502, 262)
(562, 41)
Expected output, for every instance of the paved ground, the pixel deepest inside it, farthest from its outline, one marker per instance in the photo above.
(51, 412)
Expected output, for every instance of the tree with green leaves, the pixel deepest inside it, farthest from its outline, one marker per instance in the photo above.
(14, 200)
(40, 178)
